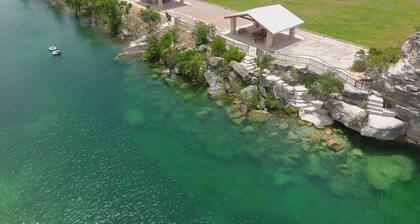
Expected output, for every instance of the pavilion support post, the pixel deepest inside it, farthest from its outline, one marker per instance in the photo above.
(269, 40)
(292, 32)
(233, 25)
(160, 4)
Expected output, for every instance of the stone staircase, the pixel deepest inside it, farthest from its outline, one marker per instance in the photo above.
(249, 63)
(309, 108)
(376, 107)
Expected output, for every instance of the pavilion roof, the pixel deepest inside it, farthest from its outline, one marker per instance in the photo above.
(275, 18)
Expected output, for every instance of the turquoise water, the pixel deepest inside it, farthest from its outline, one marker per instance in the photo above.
(85, 138)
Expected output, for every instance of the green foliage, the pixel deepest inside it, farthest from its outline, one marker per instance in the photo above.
(149, 16)
(152, 51)
(218, 46)
(191, 66)
(170, 58)
(290, 110)
(250, 98)
(263, 62)
(235, 86)
(364, 105)
(165, 41)
(375, 58)
(310, 80)
(106, 11)
(201, 33)
(233, 54)
(271, 102)
(329, 84)
(359, 64)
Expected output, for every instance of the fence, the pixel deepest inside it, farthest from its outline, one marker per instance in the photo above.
(315, 65)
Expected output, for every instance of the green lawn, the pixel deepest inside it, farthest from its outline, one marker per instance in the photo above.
(373, 23)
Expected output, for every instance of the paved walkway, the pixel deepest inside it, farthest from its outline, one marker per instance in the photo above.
(335, 52)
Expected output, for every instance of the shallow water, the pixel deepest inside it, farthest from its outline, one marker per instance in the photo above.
(85, 138)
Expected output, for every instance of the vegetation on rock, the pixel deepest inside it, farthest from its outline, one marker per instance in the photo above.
(218, 46)
(233, 54)
(375, 58)
(201, 33)
(191, 66)
(149, 16)
(329, 84)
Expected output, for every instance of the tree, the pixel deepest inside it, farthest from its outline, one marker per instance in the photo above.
(201, 33)
(329, 84)
(233, 54)
(152, 51)
(191, 65)
(149, 16)
(218, 46)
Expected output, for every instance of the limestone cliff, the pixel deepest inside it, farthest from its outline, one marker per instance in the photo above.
(401, 86)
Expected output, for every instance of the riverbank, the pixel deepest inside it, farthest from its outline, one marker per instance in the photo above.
(87, 138)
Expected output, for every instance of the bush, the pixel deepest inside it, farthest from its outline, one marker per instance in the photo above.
(170, 58)
(149, 16)
(233, 54)
(263, 62)
(329, 84)
(375, 58)
(152, 51)
(271, 102)
(290, 110)
(218, 46)
(201, 33)
(191, 66)
(310, 80)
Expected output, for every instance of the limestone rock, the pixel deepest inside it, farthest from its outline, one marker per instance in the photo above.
(215, 62)
(385, 128)
(216, 86)
(239, 69)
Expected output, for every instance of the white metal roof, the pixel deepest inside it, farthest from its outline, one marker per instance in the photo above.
(275, 18)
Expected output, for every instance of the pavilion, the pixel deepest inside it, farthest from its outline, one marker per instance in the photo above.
(268, 23)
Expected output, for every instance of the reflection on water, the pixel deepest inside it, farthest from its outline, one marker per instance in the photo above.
(86, 139)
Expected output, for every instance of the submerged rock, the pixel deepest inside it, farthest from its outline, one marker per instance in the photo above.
(384, 171)
(134, 117)
(259, 115)
(315, 168)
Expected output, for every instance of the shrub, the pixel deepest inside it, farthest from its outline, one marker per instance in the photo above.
(201, 33)
(329, 84)
(233, 54)
(170, 58)
(149, 16)
(218, 46)
(375, 58)
(191, 66)
(271, 102)
(359, 64)
(152, 51)
(310, 80)
(290, 110)
(263, 62)
(165, 41)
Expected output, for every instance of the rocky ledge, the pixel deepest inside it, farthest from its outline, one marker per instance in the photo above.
(385, 128)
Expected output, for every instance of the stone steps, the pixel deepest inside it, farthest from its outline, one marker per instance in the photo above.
(375, 107)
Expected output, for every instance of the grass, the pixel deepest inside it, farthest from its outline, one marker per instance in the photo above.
(372, 23)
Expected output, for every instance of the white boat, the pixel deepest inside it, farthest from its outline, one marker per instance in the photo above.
(56, 52)
(52, 48)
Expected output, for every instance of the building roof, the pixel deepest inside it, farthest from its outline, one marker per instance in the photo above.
(275, 18)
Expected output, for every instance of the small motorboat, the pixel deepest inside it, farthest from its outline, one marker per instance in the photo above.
(52, 48)
(56, 52)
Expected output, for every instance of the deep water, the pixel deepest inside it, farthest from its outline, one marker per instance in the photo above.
(86, 138)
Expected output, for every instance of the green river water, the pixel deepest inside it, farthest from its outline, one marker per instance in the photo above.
(85, 138)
